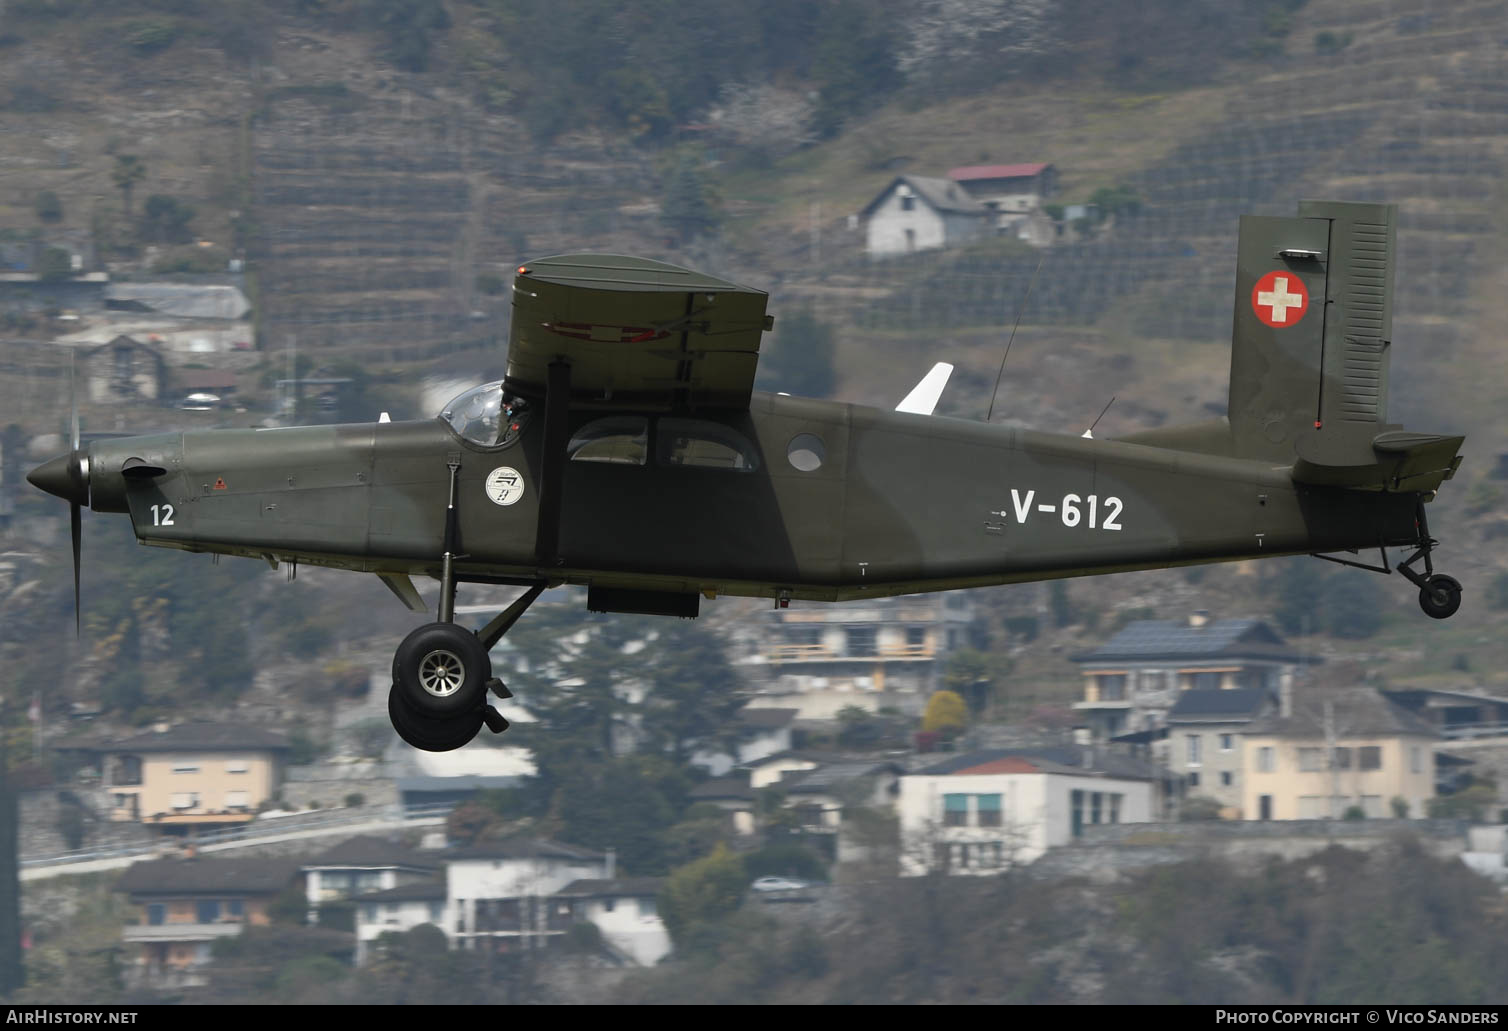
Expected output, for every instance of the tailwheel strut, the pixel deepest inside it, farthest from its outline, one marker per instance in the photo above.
(1439, 595)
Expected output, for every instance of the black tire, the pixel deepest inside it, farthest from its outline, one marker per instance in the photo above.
(1440, 596)
(441, 670)
(431, 735)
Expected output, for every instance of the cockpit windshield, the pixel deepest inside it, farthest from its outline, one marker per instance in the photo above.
(486, 416)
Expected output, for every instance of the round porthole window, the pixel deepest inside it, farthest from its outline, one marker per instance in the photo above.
(806, 452)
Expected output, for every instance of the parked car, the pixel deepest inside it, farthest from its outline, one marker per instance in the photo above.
(200, 402)
(778, 884)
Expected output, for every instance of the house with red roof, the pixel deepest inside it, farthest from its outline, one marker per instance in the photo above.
(984, 812)
(1008, 188)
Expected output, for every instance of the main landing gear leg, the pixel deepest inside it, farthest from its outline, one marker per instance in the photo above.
(441, 671)
(1439, 595)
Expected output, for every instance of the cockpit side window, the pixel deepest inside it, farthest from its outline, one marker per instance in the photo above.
(707, 445)
(618, 439)
(486, 416)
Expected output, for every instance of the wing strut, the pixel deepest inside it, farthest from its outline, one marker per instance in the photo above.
(552, 468)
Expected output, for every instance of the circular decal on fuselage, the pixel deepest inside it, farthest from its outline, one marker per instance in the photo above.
(505, 485)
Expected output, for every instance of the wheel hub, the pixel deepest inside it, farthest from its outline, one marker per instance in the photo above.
(441, 673)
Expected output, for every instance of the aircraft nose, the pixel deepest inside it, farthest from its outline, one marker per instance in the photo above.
(55, 478)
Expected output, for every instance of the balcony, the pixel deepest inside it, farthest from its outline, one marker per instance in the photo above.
(822, 653)
(144, 933)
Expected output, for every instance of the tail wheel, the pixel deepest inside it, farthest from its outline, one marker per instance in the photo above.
(441, 670)
(1440, 596)
(428, 734)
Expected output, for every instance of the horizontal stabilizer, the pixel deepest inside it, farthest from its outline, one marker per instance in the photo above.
(1399, 460)
(924, 396)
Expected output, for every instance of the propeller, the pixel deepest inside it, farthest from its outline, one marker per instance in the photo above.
(78, 469)
(67, 477)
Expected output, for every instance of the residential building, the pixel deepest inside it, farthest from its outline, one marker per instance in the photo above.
(499, 893)
(888, 652)
(917, 213)
(734, 795)
(362, 866)
(194, 775)
(824, 796)
(1134, 679)
(520, 894)
(626, 911)
(764, 732)
(1457, 715)
(1338, 748)
(184, 905)
(983, 812)
(1007, 189)
(1206, 730)
(124, 370)
(396, 910)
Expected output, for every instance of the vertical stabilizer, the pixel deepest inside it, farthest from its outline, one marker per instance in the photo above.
(1313, 328)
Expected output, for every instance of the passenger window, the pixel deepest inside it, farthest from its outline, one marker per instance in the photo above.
(707, 445)
(621, 440)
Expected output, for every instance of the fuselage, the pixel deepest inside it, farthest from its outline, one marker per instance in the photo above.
(792, 497)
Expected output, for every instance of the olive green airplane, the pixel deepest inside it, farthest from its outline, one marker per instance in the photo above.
(627, 451)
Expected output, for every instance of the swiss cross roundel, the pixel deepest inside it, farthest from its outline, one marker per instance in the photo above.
(1279, 299)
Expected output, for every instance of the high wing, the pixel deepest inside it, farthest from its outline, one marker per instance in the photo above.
(637, 333)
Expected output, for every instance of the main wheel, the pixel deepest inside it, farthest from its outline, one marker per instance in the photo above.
(431, 735)
(441, 670)
(1440, 596)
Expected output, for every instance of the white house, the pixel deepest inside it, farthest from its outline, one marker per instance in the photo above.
(765, 732)
(982, 812)
(917, 213)
(361, 866)
(501, 896)
(626, 911)
(497, 892)
(397, 910)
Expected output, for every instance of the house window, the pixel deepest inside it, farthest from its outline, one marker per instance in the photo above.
(908, 202)
(207, 912)
(1194, 749)
(1227, 742)
(955, 810)
(1112, 687)
(1266, 760)
(989, 810)
(910, 239)
(185, 800)
(1371, 757)
(1204, 681)
(157, 914)
(1194, 779)
(1342, 758)
(125, 771)
(1115, 808)
(237, 766)
(185, 769)
(436, 912)
(861, 640)
(916, 636)
(1416, 759)
(1227, 778)
(237, 800)
(648, 907)
(1095, 800)
(236, 908)
(608, 905)
(1311, 759)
